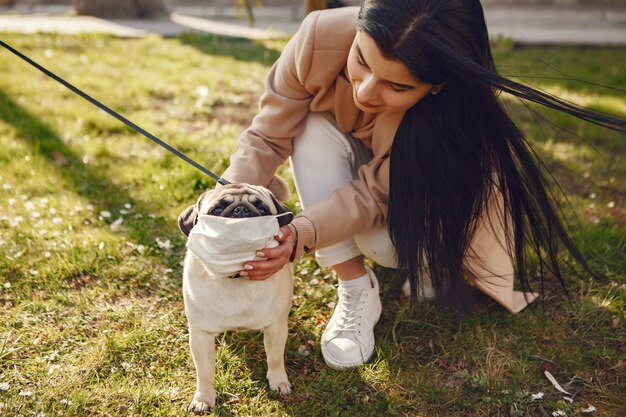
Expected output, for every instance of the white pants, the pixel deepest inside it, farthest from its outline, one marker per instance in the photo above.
(323, 159)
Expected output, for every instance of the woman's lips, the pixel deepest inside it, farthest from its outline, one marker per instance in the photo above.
(366, 104)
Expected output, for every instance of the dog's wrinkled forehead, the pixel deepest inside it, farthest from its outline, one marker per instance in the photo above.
(236, 193)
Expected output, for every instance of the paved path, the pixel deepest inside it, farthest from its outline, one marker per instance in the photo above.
(523, 24)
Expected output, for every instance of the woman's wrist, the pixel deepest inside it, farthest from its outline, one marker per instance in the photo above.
(304, 234)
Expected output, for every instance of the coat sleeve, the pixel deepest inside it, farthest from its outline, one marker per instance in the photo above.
(284, 105)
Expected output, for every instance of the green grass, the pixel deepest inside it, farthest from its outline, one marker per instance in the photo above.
(91, 317)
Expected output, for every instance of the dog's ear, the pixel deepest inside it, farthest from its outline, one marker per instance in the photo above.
(187, 219)
(281, 208)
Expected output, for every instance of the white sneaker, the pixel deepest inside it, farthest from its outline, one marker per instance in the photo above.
(426, 293)
(348, 340)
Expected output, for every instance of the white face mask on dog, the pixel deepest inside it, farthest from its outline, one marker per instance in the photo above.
(224, 244)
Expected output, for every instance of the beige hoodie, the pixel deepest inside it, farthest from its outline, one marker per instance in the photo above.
(308, 77)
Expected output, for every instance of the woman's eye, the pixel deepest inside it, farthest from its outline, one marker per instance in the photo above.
(360, 61)
(397, 89)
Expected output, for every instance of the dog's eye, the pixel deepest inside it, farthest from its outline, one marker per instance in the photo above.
(217, 211)
(261, 207)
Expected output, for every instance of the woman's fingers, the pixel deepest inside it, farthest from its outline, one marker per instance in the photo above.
(276, 258)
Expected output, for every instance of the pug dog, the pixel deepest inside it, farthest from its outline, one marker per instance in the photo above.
(215, 303)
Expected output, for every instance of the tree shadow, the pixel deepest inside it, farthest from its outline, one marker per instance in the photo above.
(87, 181)
(240, 49)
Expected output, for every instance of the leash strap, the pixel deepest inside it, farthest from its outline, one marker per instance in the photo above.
(113, 113)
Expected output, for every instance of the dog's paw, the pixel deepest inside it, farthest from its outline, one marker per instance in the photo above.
(280, 384)
(202, 404)
(284, 388)
(199, 407)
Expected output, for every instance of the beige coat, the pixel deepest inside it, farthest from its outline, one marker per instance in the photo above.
(308, 77)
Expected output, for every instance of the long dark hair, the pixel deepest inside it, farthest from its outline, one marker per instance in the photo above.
(458, 153)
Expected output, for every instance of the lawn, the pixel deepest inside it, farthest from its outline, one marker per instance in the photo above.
(91, 314)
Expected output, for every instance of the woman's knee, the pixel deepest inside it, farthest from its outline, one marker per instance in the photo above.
(376, 245)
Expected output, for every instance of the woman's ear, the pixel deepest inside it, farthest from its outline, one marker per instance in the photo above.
(437, 88)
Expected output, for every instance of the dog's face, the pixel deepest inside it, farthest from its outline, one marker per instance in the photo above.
(234, 200)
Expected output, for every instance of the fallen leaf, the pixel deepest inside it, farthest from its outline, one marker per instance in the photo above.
(59, 158)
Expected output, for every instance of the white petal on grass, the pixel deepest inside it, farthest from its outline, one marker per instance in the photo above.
(105, 214)
(558, 413)
(4, 386)
(15, 221)
(536, 396)
(47, 254)
(592, 196)
(163, 244)
(611, 204)
(589, 409)
(128, 206)
(303, 351)
(117, 224)
(101, 245)
(141, 249)
(53, 369)
(25, 393)
(202, 91)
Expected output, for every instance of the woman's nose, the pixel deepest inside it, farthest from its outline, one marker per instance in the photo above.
(367, 90)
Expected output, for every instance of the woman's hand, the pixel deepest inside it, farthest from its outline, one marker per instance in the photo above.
(276, 257)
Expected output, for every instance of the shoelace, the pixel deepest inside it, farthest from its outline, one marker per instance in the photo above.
(349, 316)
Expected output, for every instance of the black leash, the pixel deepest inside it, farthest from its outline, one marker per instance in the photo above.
(113, 113)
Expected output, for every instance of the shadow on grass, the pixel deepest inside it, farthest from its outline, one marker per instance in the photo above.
(240, 49)
(87, 181)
